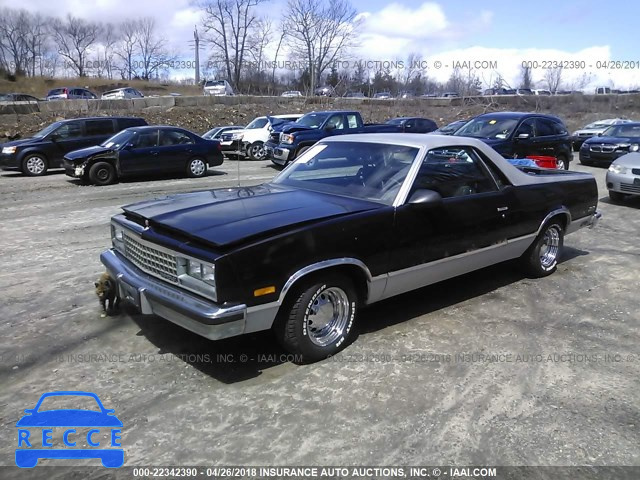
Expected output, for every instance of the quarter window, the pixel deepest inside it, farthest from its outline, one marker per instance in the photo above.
(454, 172)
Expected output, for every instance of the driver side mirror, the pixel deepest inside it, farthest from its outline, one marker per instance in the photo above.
(54, 136)
(128, 146)
(523, 136)
(330, 126)
(425, 197)
(599, 134)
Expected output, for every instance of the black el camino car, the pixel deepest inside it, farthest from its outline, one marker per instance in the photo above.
(144, 150)
(357, 219)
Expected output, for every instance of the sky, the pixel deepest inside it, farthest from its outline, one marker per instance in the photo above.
(493, 37)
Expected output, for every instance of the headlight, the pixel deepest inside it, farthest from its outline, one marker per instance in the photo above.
(634, 147)
(202, 271)
(619, 169)
(9, 150)
(117, 236)
(237, 136)
(287, 138)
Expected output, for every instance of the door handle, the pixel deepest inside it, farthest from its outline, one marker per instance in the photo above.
(154, 153)
(503, 209)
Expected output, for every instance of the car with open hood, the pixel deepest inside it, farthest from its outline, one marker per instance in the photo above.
(355, 220)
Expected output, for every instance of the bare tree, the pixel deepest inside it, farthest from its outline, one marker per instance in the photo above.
(282, 29)
(126, 47)
(320, 31)
(228, 25)
(414, 67)
(525, 77)
(14, 25)
(75, 38)
(152, 51)
(553, 78)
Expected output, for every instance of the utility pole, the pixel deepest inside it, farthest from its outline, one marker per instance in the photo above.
(196, 39)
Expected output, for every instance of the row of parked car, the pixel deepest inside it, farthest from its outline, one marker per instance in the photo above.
(100, 150)
(71, 93)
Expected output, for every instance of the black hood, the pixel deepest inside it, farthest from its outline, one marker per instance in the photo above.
(612, 140)
(84, 153)
(227, 216)
(22, 141)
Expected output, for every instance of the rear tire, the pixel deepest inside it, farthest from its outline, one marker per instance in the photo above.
(102, 173)
(197, 168)
(35, 165)
(616, 197)
(541, 258)
(318, 317)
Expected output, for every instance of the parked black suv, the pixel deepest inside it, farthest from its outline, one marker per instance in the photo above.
(519, 135)
(35, 155)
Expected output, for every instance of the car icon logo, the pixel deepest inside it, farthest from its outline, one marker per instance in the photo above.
(69, 433)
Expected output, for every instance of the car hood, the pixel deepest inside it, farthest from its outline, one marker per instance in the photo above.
(631, 160)
(69, 418)
(593, 131)
(229, 216)
(85, 153)
(293, 127)
(22, 141)
(612, 140)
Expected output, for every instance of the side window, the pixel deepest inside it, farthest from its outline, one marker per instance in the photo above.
(526, 128)
(454, 172)
(69, 130)
(146, 139)
(559, 128)
(174, 137)
(498, 176)
(336, 122)
(544, 128)
(99, 127)
(352, 120)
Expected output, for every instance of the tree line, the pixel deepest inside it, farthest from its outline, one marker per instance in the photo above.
(239, 43)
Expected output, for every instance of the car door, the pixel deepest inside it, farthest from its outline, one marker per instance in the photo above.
(141, 156)
(467, 228)
(176, 148)
(66, 138)
(547, 137)
(523, 139)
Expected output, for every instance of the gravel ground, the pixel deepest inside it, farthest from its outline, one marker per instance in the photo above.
(490, 368)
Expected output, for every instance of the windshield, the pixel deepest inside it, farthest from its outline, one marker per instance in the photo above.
(622, 131)
(214, 83)
(488, 127)
(368, 171)
(47, 130)
(259, 122)
(212, 133)
(118, 140)
(313, 120)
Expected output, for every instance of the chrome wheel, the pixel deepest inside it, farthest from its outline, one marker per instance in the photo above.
(257, 152)
(327, 316)
(550, 247)
(35, 165)
(560, 163)
(197, 167)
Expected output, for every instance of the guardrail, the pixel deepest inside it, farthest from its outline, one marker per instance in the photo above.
(139, 104)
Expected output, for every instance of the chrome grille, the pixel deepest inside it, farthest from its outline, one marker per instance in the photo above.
(151, 260)
(630, 188)
(275, 137)
(603, 148)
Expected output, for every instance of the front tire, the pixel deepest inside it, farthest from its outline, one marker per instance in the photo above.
(616, 197)
(562, 162)
(197, 168)
(256, 151)
(319, 318)
(35, 165)
(541, 259)
(102, 173)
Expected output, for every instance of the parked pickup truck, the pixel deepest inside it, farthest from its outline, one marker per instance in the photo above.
(290, 140)
(357, 219)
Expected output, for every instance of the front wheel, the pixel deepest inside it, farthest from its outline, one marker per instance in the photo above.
(196, 168)
(35, 165)
(562, 163)
(256, 151)
(102, 173)
(541, 259)
(318, 319)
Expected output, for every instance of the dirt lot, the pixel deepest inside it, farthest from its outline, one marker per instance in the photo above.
(490, 368)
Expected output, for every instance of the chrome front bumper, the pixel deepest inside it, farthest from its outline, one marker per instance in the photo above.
(278, 155)
(152, 296)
